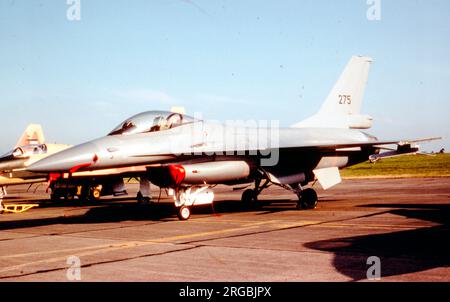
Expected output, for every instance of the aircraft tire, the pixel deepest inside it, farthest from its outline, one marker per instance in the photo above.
(307, 199)
(184, 213)
(249, 198)
(95, 194)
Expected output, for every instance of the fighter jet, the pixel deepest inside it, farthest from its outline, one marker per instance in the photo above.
(30, 148)
(91, 185)
(189, 155)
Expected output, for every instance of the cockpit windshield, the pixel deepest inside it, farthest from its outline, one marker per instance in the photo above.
(151, 121)
(26, 151)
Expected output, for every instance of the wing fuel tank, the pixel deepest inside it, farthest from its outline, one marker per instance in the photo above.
(196, 174)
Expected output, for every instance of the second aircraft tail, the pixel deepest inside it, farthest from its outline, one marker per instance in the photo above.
(32, 135)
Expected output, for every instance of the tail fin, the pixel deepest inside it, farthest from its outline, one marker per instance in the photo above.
(347, 94)
(343, 105)
(32, 135)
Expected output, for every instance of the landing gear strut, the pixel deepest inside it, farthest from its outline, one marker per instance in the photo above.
(144, 194)
(3, 192)
(143, 199)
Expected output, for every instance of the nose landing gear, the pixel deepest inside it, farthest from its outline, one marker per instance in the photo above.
(184, 213)
(185, 198)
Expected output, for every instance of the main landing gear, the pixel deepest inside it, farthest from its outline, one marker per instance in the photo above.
(250, 196)
(83, 192)
(307, 199)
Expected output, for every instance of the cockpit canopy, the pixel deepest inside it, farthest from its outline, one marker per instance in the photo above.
(26, 151)
(151, 121)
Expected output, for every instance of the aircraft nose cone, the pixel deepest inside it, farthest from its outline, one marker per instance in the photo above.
(72, 159)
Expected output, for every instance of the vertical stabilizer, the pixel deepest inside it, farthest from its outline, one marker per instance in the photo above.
(32, 135)
(342, 107)
(346, 97)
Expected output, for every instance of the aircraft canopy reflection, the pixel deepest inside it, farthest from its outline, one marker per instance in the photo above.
(151, 121)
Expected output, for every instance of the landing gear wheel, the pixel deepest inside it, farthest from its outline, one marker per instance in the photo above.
(184, 213)
(95, 194)
(307, 199)
(249, 198)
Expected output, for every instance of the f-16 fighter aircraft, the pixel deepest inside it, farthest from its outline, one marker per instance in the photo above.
(30, 148)
(189, 155)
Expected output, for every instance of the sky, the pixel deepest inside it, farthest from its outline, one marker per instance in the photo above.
(229, 60)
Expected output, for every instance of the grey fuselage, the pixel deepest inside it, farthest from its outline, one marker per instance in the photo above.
(286, 150)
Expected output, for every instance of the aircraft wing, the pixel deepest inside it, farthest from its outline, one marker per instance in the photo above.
(420, 140)
(402, 146)
(380, 144)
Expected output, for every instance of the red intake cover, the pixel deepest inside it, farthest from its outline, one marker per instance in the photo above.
(177, 173)
(170, 176)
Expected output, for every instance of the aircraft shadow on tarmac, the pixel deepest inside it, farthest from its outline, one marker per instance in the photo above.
(400, 252)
